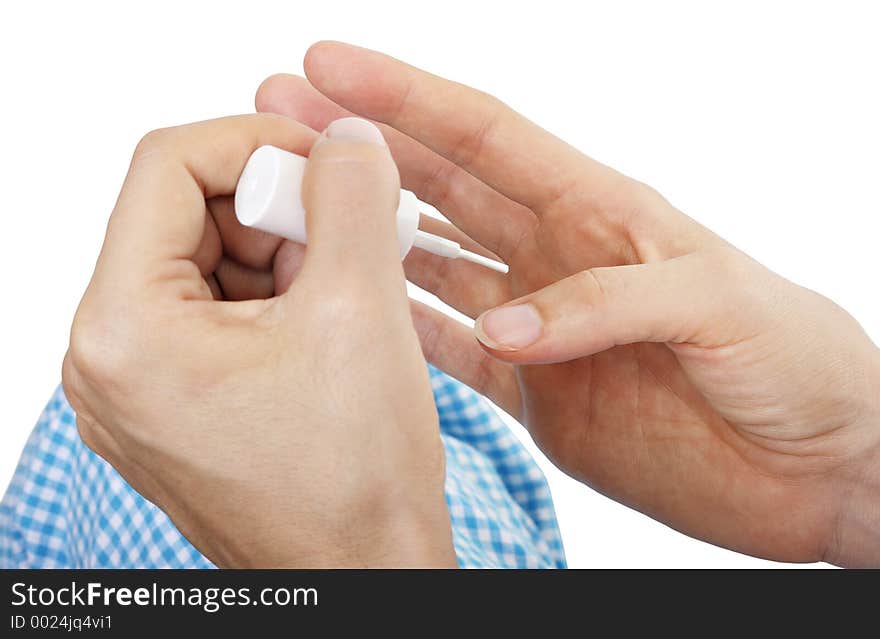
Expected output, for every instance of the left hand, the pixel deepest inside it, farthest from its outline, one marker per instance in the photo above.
(661, 365)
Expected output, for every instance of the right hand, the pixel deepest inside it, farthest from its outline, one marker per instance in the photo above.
(648, 357)
(277, 423)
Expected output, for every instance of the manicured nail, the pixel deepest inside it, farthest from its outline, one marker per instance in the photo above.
(356, 129)
(510, 328)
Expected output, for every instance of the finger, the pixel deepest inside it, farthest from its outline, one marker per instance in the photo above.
(246, 245)
(490, 218)
(472, 129)
(210, 250)
(351, 191)
(160, 215)
(451, 347)
(466, 287)
(689, 299)
(239, 282)
(216, 291)
(288, 262)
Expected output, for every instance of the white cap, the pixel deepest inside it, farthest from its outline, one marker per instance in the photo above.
(268, 198)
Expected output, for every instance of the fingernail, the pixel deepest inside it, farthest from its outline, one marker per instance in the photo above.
(510, 328)
(356, 129)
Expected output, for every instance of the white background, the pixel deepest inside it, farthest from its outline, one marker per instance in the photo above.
(760, 120)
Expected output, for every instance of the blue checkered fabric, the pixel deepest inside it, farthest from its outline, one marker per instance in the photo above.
(68, 508)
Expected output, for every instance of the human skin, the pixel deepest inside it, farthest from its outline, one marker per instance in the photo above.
(648, 357)
(272, 420)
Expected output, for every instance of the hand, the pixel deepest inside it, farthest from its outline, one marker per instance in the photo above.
(648, 357)
(290, 430)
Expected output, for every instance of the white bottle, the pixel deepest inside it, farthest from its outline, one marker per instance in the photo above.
(268, 198)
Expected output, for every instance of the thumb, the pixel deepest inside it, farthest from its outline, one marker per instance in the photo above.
(350, 192)
(685, 299)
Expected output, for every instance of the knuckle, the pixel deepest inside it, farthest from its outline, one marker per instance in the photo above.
(592, 283)
(154, 142)
(737, 282)
(471, 144)
(273, 119)
(729, 265)
(645, 195)
(437, 187)
(98, 353)
(348, 166)
(744, 282)
(485, 376)
(354, 151)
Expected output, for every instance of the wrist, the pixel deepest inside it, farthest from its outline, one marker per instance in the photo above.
(410, 541)
(387, 530)
(414, 539)
(403, 538)
(856, 538)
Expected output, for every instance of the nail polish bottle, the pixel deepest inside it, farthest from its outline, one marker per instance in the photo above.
(268, 197)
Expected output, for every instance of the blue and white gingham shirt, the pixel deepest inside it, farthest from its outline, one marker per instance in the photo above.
(68, 508)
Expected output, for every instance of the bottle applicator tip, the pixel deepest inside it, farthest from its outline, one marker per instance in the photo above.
(447, 248)
(483, 261)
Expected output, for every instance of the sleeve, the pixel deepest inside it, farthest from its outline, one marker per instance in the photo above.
(33, 526)
(68, 508)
